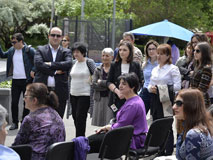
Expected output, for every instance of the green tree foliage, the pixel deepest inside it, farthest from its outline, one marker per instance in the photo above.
(194, 15)
(20, 15)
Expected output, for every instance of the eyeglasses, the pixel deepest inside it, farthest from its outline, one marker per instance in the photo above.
(152, 49)
(14, 42)
(55, 35)
(179, 103)
(64, 40)
(197, 51)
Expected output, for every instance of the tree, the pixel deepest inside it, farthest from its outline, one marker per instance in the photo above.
(19, 15)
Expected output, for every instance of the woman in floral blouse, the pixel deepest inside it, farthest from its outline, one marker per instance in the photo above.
(43, 126)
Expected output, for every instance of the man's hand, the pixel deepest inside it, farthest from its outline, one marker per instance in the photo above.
(32, 74)
(48, 63)
(59, 72)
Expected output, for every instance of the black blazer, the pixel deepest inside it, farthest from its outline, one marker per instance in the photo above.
(62, 62)
(114, 73)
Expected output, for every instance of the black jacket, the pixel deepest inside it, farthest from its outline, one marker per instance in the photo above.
(62, 62)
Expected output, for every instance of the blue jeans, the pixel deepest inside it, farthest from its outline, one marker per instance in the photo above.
(146, 97)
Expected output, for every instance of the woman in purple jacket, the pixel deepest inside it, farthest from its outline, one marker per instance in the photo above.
(43, 126)
(131, 113)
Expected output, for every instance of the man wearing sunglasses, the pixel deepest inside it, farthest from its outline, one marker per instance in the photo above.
(53, 63)
(20, 66)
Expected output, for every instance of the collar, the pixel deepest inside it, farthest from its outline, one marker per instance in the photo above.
(53, 48)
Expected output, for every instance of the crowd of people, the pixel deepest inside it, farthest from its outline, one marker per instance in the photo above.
(119, 92)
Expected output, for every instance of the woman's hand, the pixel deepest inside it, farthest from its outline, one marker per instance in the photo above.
(104, 129)
(153, 89)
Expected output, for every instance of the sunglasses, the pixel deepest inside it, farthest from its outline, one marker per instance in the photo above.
(64, 40)
(55, 35)
(14, 42)
(197, 51)
(179, 103)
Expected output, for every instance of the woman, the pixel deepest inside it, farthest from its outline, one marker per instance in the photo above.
(185, 65)
(131, 113)
(164, 82)
(43, 126)
(81, 73)
(123, 64)
(196, 140)
(101, 112)
(65, 42)
(150, 51)
(202, 74)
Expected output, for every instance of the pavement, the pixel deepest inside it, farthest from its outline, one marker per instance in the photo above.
(69, 124)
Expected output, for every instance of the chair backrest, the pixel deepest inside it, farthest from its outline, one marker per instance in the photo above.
(116, 143)
(61, 150)
(24, 151)
(158, 132)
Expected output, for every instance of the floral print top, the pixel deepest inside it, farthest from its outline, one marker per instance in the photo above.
(40, 129)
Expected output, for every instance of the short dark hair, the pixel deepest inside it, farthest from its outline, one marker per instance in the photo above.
(132, 80)
(82, 47)
(131, 35)
(130, 47)
(18, 36)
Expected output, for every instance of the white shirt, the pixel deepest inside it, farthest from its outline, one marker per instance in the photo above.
(124, 68)
(169, 74)
(18, 65)
(51, 79)
(80, 81)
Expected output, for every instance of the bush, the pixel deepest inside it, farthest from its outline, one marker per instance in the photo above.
(6, 84)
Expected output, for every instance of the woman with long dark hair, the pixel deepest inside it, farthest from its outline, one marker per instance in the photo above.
(196, 140)
(202, 74)
(123, 64)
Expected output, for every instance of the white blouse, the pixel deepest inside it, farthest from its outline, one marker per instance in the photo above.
(169, 74)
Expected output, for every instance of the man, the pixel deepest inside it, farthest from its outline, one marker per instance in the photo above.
(20, 66)
(5, 152)
(53, 63)
(138, 56)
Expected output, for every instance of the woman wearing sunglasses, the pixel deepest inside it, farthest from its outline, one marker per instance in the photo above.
(196, 140)
(201, 77)
(66, 42)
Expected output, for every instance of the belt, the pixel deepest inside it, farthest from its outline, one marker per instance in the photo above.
(51, 88)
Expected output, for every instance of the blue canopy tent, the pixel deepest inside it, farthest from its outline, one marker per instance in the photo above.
(164, 29)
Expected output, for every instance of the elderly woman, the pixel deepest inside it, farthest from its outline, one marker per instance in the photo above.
(164, 82)
(43, 126)
(81, 73)
(196, 140)
(5, 152)
(150, 62)
(101, 112)
(123, 64)
(131, 113)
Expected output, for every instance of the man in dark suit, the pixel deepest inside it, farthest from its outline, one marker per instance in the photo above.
(53, 63)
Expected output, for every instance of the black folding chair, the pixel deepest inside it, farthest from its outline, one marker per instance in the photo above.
(24, 151)
(61, 150)
(116, 143)
(156, 139)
